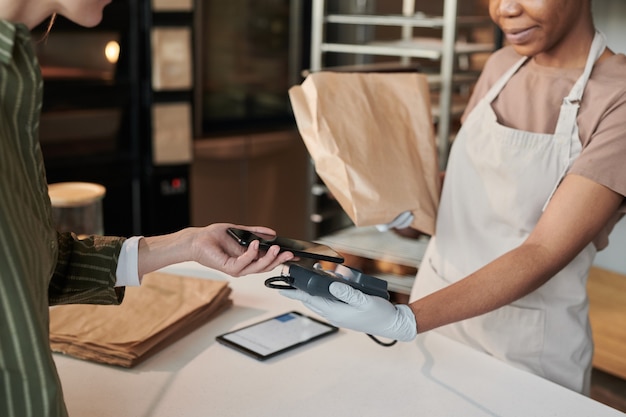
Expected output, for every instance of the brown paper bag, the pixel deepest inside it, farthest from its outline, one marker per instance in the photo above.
(372, 140)
(165, 308)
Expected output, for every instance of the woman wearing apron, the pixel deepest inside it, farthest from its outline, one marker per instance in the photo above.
(520, 214)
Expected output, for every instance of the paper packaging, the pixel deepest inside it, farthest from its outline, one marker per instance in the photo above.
(372, 140)
(162, 310)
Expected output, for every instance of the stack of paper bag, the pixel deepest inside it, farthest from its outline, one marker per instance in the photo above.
(372, 141)
(162, 310)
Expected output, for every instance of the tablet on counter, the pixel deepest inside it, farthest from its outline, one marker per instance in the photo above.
(271, 337)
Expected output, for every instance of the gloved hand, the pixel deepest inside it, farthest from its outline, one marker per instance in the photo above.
(360, 312)
(402, 221)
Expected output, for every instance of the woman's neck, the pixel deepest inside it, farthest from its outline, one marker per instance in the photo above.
(30, 13)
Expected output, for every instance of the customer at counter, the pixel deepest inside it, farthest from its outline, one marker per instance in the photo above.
(534, 184)
(39, 266)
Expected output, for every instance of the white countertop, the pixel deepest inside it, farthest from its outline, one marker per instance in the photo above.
(345, 374)
(368, 242)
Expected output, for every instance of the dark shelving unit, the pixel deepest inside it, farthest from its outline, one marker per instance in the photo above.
(97, 120)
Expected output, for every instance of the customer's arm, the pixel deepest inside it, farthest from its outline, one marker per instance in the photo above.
(210, 246)
(85, 271)
(95, 269)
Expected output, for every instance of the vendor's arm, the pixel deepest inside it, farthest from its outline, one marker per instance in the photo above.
(578, 211)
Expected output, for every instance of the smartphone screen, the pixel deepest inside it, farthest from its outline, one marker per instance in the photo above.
(300, 248)
(279, 334)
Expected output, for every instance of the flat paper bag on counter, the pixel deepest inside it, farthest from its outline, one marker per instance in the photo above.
(165, 308)
(372, 140)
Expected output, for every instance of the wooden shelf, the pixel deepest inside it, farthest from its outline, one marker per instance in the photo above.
(427, 48)
(607, 312)
(416, 20)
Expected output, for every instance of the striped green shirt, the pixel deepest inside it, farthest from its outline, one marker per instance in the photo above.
(38, 266)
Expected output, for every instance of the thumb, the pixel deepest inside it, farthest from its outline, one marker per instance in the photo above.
(347, 294)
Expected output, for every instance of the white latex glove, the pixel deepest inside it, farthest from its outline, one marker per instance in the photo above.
(403, 220)
(360, 312)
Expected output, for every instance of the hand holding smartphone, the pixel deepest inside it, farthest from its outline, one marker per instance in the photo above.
(300, 248)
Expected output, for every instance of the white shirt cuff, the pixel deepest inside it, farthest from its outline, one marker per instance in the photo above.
(127, 272)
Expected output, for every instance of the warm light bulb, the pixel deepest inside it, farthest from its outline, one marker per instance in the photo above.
(112, 51)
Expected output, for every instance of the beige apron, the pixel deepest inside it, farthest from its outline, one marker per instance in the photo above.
(497, 184)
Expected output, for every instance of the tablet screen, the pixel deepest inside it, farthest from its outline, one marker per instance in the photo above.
(279, 334)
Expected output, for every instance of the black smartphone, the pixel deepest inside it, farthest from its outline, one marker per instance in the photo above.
(279, 334)
(299, 248)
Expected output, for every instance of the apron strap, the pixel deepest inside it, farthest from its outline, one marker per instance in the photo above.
(566, 130)
(571, 103)
(499, 85)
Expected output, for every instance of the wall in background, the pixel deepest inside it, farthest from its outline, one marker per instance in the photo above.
(610, 16)
(257, 178)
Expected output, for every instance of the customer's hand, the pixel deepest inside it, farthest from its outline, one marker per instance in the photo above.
(361, 312)
(212, 247)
